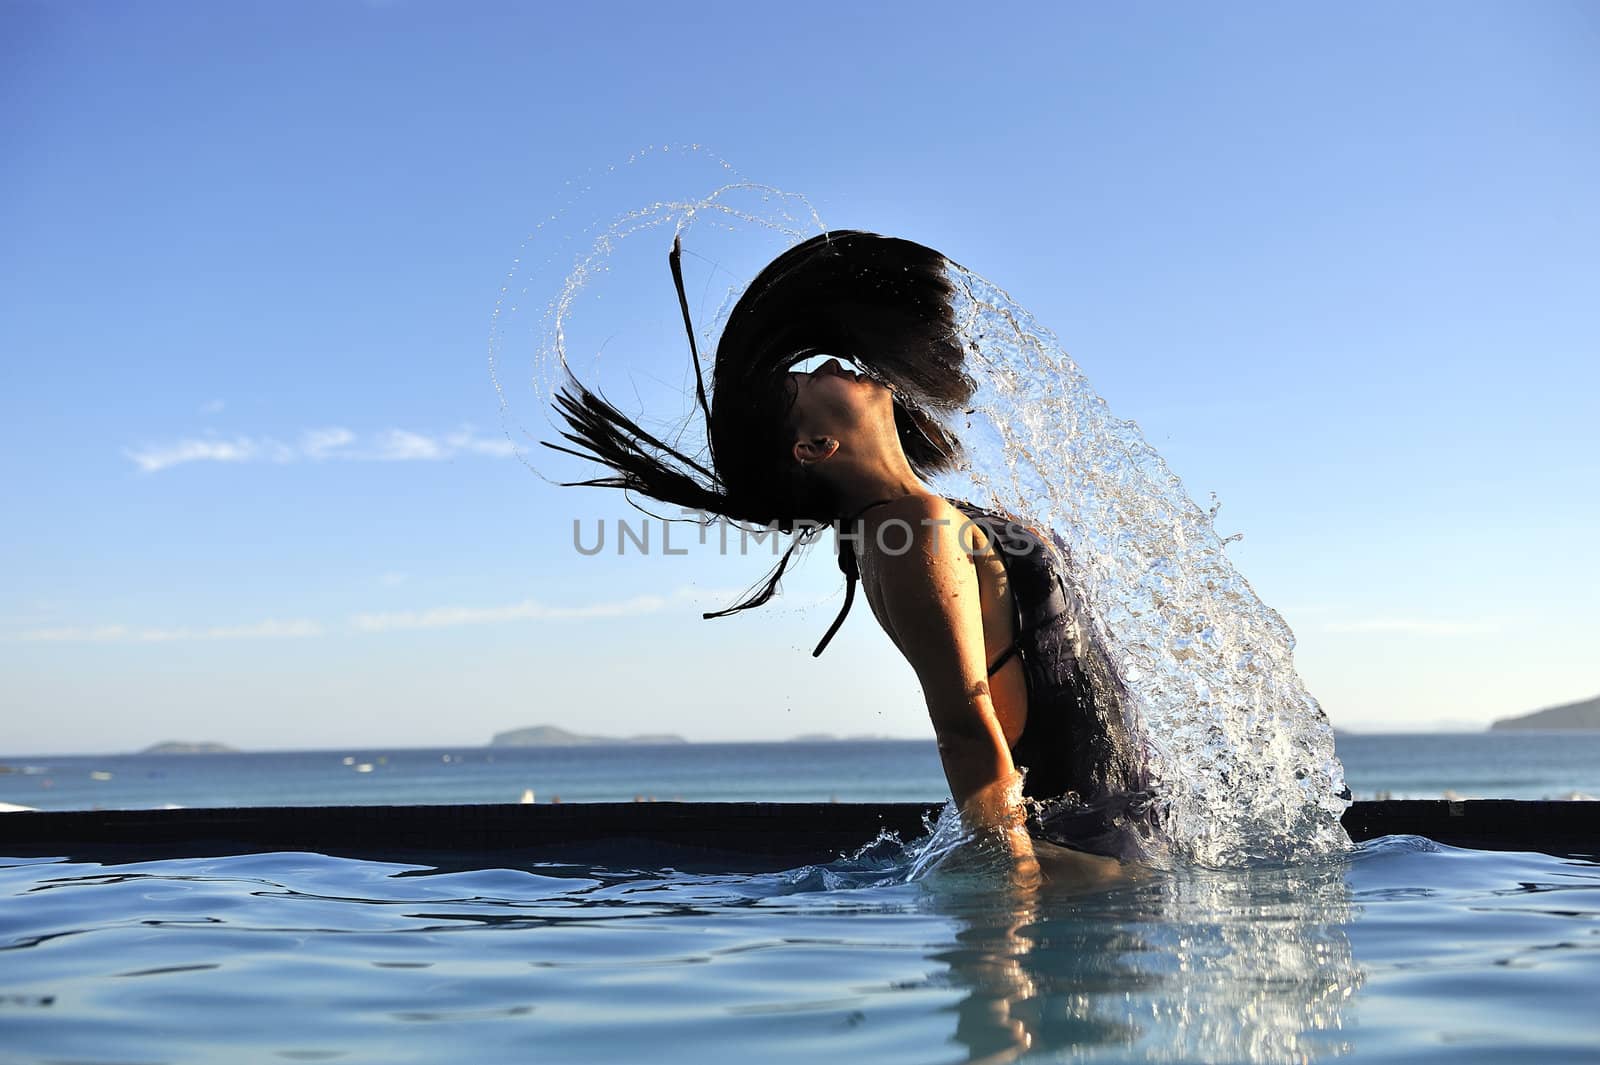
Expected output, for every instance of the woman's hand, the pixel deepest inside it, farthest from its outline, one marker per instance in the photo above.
(997, 810)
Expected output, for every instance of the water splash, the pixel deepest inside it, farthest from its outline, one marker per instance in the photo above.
(615, 336)
(948, 853)
(1242, 754)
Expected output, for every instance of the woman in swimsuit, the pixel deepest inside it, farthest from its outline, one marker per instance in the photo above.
(975, 601)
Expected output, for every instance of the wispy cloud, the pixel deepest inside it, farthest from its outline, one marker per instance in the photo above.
(212, 406)
(320, 445)
(270, 629)
(445, 617)
(325, 443)
(1415, 627)
(159, 457)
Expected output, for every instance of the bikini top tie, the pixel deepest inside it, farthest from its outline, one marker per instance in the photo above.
(852, 574)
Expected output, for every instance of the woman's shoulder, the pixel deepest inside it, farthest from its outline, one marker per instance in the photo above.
(929, 520)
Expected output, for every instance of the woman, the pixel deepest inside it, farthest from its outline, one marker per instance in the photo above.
(975, 601)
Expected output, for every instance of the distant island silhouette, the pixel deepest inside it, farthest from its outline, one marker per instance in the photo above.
(189, 747)
(1581, 715)
(551, 736)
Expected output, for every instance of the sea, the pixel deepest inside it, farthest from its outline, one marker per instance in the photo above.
(1508, 765)
(1399, 950)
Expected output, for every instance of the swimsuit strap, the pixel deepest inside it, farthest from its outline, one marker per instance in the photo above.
(852, 519)
(1007, 655)
(1014, 649)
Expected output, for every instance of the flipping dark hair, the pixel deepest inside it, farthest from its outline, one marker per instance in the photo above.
(880, 302)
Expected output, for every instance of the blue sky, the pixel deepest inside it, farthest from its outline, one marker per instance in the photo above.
(1341, 264)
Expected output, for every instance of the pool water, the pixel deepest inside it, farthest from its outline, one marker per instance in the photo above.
(1403, 950)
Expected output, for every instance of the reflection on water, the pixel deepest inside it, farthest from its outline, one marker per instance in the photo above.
(1236, 966)
(1393, 951)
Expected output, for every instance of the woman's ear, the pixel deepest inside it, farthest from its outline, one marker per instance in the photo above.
(809, 450)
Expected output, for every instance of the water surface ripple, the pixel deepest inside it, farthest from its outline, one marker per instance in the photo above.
(1403, 951)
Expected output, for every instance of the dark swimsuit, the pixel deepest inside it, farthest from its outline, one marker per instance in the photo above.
(1080, 762)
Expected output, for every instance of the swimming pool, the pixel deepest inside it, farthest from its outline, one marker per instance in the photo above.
(1404, 950)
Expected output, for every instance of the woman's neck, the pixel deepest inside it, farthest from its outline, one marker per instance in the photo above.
(860, 484)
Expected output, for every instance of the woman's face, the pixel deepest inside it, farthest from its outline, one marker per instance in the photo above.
(830, 399)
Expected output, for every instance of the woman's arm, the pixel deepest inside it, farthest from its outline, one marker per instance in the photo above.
(927, 599)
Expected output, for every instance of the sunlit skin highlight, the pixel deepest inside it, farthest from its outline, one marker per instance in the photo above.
(944, 602)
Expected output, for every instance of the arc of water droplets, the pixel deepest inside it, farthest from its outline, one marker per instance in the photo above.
(787, 214)
(1242, 753)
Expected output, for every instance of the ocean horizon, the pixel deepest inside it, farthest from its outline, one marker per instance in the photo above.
(1509, 765)
(12, 758)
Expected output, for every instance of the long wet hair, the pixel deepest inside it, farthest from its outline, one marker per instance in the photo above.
(879, 302)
